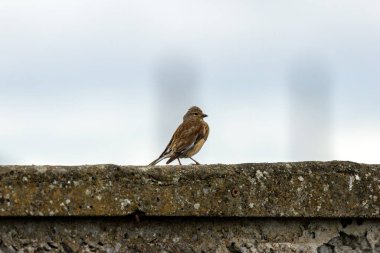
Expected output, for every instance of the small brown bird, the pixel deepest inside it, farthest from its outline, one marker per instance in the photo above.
(188, 139)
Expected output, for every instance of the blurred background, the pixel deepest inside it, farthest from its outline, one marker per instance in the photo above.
(86, 82)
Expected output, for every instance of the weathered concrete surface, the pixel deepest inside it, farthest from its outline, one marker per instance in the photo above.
(182, 235)
(305, 189)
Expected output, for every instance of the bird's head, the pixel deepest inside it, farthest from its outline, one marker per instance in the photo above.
(194, 112)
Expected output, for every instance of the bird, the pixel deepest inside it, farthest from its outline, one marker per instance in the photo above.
(188, 139)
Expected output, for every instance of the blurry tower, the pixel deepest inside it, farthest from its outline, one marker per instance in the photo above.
(310, 112)
(177, 78)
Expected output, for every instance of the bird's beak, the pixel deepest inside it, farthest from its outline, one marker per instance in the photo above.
(204, 115)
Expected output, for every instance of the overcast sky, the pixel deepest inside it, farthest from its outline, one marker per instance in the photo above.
(85, 82)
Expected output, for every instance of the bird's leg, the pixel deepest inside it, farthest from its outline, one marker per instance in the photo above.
(179, 161)
(197, 163)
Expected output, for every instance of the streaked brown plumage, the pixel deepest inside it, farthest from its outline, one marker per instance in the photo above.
(188, 139)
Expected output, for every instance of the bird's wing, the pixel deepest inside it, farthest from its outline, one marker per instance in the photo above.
(185, 136)
(199, 141)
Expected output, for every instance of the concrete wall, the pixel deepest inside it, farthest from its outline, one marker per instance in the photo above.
(280, 207)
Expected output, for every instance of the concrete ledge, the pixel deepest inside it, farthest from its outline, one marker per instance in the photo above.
(305, 189)
(188, 235)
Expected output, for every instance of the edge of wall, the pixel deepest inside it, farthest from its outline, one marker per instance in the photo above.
(335, 189)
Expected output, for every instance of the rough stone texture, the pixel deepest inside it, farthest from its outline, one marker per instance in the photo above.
(219, 208)
(305, 189)
(181, 234)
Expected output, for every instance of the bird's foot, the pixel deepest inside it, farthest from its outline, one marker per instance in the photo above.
(196, 163)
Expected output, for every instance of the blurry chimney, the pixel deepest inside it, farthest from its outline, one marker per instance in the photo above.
(310, 87)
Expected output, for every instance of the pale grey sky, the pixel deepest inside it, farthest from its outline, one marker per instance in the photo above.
(80, 80)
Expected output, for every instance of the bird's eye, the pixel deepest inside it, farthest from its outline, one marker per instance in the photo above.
(195, 113)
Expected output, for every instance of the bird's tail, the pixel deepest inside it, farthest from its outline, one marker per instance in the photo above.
(159, 159)
(164, 155)
(156, 161)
